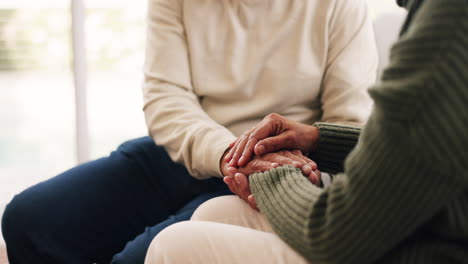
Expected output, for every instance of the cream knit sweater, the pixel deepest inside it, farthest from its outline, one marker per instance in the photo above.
(215, 68)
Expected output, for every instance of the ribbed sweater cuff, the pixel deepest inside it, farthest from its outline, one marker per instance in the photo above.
(285, 196)
(336, 142)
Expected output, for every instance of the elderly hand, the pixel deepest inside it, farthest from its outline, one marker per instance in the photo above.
(238, 182)
(273, 133)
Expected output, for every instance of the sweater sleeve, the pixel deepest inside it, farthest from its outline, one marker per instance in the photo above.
(351, 64)
(409, 162)
(173, 113)
(335, 144)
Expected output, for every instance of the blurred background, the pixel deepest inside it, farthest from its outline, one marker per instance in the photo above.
(38, 131)
(37, 92)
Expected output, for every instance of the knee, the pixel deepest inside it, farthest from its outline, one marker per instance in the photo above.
(168, 247)
(138, 145)
(143, 149)
(216, 208)
(15, 219)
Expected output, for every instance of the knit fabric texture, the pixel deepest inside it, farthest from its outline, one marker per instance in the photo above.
(403, 193)
(336, 142)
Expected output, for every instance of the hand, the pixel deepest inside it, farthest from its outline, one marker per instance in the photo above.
(272, 160)
(273, 133)
(239, 185)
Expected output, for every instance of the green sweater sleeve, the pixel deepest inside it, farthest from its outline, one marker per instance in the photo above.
(335, 144)
(408, 166)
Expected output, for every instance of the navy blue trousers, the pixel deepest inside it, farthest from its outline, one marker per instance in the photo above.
(107, 210)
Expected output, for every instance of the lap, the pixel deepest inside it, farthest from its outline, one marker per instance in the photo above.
(230, 209)
(222, 230)
(209, 242)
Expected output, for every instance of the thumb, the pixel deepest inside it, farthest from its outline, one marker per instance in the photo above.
(273, 144)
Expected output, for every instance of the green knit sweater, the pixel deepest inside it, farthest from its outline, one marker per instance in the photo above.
(402, 194)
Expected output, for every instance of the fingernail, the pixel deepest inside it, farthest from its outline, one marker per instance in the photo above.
(225, 179)
(306, 169)
(250, 198)
(260, 149)
(241, 160)
(296, 164)
(314, 178)
(275, 164)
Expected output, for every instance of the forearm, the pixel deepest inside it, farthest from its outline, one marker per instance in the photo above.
(173, 113)
(376, 203)
(176, 121)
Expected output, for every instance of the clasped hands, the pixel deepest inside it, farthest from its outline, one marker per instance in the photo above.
(274, 142)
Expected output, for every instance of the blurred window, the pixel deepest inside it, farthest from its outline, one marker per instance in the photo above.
(36, 93)
(37, 104)
(115, 43)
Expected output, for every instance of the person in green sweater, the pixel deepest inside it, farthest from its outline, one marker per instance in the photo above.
(401, 192)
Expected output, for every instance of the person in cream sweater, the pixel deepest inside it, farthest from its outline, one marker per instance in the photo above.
(214, 69)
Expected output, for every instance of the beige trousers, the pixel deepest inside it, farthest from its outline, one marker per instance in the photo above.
(222, 230)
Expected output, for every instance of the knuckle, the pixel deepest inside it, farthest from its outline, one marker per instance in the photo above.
(274, 116)
(290, 140)
(254, 164)
(289, 137)
(252, 137)
(297, 152)
(270, 116)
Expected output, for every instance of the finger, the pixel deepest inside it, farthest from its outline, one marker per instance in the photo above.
(243, 185)
(318, 174)
(257, 166)
(263, 130)
(314, 177)
(237, 182)
(312, 163)
(228, 180)
(251, 199)
(298, 161)
(273, 144)
(232, 184)
(228, 156)
(234, 148)
(248, 151)
(232, 143)
(231, 153)
(239, 148)
(232, 171)
(278, 158)
(307, 164)
(252, 202)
